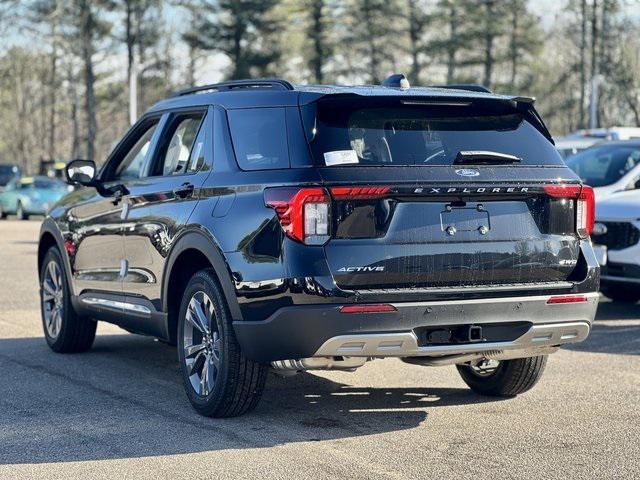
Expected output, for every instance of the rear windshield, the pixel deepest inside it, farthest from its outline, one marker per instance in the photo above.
(600, 166)
(354, 132)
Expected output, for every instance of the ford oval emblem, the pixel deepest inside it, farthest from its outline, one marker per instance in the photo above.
(467, 172)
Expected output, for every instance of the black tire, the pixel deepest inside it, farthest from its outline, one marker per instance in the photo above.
(621, 293)
(20, 213)
(510, 377)
(73, 333)
(239, 382)
(3, 214)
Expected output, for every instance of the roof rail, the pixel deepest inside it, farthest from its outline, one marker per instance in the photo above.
(266, 83)
(472, 87)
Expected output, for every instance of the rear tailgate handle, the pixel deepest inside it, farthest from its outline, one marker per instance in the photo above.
(185, 190)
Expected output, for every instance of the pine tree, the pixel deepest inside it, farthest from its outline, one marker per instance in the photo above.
(243, 30)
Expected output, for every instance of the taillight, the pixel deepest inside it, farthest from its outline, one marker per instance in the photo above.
(303, 212)
(359, 193)
(585, 204)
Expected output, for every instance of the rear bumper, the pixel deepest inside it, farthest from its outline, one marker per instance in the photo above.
(321, 330)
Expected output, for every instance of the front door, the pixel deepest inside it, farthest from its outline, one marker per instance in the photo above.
(98, 265)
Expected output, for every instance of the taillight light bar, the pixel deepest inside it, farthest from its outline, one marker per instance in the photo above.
(303, 212)
(375, 308)
(556, 299)
(585, 205)
(360, 193)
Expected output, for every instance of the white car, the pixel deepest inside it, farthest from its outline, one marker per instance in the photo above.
(609, 167)
(611, 133)
(570, 146)
(615, 238)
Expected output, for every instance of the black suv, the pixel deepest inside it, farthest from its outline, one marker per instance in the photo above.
(257, 224)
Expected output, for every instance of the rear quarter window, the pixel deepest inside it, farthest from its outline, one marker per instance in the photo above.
(259, 137)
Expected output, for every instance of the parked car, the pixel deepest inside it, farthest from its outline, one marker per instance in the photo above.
(609, 167)
(257, 224)
(570, 146)
(616, 238)
(27, 196)
(8, 173)
(611, 133)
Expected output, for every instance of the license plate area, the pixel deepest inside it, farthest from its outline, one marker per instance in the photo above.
(469, 218)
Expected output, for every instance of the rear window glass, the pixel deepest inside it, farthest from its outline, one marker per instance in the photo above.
(259, 138)
(354, 132)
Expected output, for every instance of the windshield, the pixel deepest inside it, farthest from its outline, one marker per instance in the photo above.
(359, 131)
(604, 165)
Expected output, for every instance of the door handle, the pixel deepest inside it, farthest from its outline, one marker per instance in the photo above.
(183, 191)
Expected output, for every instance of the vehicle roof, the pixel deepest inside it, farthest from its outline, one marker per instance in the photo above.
(619, 143)
(302, 94)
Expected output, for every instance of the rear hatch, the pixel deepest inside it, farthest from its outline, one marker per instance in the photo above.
(438, 196)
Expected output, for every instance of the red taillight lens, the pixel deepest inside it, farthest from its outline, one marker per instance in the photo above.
(585, 204)
(377, 308)
(566, 299)
(303, 212)
(359, 193)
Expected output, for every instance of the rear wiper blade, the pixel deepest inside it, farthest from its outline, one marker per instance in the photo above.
(484, 157)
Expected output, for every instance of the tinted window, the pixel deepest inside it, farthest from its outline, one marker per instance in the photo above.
(175, 155)
(349, 132)
(260, 138)
(600, 166)
(131, 166)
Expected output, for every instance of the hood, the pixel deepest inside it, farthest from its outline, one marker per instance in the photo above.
(619, 206)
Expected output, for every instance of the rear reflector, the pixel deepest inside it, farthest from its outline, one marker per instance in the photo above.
(379, 308)
(567, 299)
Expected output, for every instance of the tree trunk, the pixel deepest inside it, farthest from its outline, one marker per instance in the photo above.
(594, 48)
(452, 43)
(414, 39)
(51, 148)
(86, 34)
(317, 36)
(374, 61)
(488, 43)
(513, 43)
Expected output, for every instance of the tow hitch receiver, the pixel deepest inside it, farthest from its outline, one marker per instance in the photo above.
(475, 333)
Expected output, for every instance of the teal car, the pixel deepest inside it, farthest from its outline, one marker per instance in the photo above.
(31, 196)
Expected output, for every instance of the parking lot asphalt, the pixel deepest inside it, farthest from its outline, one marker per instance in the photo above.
(119, 411)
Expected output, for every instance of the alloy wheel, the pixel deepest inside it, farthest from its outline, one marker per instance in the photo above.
(202, 344)
(52, 299)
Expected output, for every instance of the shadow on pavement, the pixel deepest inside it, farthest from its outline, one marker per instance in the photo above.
(616, 330)
(125, 399)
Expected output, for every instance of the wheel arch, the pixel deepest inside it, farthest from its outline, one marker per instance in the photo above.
(192, 252)
(50, 236)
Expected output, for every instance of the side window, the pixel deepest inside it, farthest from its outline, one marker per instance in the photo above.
(130, 168)
(183, 149)
(259, 138)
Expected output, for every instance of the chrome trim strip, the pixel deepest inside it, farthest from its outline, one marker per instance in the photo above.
(484, 301)
(405, 344)
(117, 305)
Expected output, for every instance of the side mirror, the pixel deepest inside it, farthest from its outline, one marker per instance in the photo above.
(81, 172)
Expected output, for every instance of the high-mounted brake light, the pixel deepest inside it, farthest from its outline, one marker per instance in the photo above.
(303, 212)
(376, 308)
(359, 193)
(585, 204)
(566, 299)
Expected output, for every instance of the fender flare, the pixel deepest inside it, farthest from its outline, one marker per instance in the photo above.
(206, 245)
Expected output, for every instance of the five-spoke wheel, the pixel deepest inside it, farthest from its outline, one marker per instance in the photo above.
(52, 299)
